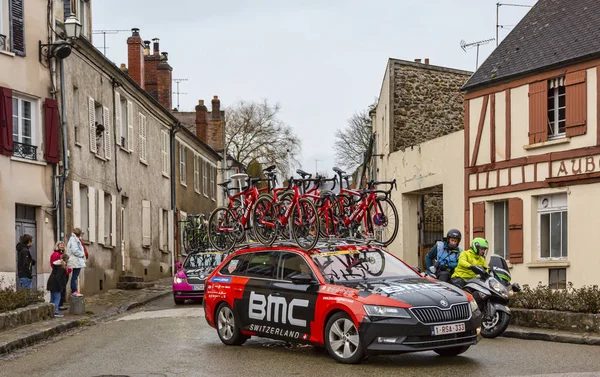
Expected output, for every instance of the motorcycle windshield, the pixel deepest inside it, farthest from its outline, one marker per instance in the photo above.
(498, 261)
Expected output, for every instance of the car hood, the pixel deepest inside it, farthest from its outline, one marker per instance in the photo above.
(412, 291)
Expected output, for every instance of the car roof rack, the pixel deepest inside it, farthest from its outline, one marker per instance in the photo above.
(328, 243)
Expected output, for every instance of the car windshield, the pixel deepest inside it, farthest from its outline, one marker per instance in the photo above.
(347, 265)
(204, 260)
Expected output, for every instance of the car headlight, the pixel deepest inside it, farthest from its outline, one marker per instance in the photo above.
(474, 306)
(386, 311)
(495, 284)
(178, 280)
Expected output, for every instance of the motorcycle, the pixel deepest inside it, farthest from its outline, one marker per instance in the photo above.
(492, 291)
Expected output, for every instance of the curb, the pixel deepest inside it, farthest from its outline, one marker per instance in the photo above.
(552, 336)
(53, 330)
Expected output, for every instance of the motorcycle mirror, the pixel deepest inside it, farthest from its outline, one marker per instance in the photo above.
(516, 287)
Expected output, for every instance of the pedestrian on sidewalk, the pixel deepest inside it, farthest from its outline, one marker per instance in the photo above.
(77, 256)
(25, 261)
(59, 250)
(57, 282)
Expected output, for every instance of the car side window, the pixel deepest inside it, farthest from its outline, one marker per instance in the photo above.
(262, 264)
(236, 266)
(291, 264)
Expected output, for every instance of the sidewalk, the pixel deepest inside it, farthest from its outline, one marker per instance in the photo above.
(98, 307)
(529, 333)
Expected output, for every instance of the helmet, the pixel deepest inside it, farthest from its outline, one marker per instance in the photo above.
(454, 233)
(479, 243)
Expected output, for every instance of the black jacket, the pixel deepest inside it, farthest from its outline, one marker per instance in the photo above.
(57, 282)
(25, 261)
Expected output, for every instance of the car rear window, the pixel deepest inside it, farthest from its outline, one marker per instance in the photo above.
(235, 266)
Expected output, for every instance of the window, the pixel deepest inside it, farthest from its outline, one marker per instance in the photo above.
(292, 264)
(213, 171)
(142, 124)
(205, 178)
(76, 126)
(105, 216)
(99, 120)
(181, 228)
(25, 125)
(123, 115)
(182, 170)
(556, 107)
(501, 228)
(553, 225)
(557, 278)
(163, 228)
(3, 23)
(146, 224)
(235, 266)
(263, 264)
(81, 11)
(165, 153)
(197, 174)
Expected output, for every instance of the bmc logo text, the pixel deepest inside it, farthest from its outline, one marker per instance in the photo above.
(275, 309)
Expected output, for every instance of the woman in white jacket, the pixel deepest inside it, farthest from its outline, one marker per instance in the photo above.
(76, 253)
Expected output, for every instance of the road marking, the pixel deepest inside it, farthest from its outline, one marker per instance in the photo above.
(568, 374)
(167, 313)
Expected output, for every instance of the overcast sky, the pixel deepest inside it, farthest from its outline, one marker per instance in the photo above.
(322, 60)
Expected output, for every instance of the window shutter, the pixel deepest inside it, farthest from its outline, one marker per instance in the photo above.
(146, 229)
(576, 103)
(113, 220)
(161, 239)
(67, 8)
(92, 213)
(101, 214)
(51, 151)
(515, 230)
(118, 117)
(130, 141)
(538, 112)
(479, 219)
(6, 121)
(17, 27)
(142, 125)
(107, 143)
(76, 205)
(92, 122)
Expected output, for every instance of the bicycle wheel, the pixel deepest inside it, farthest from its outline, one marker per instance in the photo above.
(264, 220)
(382, 219)
(222, 227)
(304, 224)
(284, 201)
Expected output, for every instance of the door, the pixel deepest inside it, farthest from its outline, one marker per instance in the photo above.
(124, 236)
(301, 299)
(25, 224)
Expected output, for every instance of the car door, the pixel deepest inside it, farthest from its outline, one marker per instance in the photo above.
(300, 299)
(253, 309)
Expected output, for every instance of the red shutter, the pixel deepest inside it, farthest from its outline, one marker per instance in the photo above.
(515, 230)
(479, 219)
(51, 152)
(6, 121)
(538, 112)
(576, 103)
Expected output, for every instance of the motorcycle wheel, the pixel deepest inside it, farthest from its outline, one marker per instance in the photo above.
(496, 326)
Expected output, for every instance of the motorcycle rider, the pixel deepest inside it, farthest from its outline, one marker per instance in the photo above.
(474, 256)
(445, 253)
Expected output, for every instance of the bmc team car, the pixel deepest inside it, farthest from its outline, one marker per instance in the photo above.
(189, 279)
(357, 300)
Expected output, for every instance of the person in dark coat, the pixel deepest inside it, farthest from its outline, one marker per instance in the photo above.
(25, 261)
(59, 249)
(57, 282)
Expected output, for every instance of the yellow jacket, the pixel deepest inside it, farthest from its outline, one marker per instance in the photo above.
(467, 259)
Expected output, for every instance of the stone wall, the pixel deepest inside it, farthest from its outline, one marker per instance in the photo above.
(551, 319)
(427, 102)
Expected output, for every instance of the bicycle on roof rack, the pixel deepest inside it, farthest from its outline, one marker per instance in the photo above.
(195, 233)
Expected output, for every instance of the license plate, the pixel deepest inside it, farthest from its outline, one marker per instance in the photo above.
(448, 329)
(197, 287)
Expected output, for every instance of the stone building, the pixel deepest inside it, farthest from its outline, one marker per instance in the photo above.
(418, 126)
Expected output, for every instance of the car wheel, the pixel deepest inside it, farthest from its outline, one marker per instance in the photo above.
(342, 340)
(179, 301)
(227, 327)
(452, 351)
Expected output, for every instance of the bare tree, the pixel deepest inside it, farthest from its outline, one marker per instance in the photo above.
(352, 141)
(254, 131)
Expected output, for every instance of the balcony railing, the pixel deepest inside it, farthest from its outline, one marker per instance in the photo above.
(25, 151)
(3, 46)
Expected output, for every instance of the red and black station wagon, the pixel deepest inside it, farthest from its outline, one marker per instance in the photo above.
(356, 300)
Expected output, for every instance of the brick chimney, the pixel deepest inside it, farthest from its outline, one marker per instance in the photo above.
(146, 48)
(165, 81)
(151, 62)
(426, 60)
(214, 133)
(135, 57)
(123, 67)
(201, 121)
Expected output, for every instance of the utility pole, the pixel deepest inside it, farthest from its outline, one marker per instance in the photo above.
(316, 172)
(107, 32)
(177, 81)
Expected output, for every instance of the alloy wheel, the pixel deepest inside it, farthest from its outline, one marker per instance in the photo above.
(343, 338)
(226, 323)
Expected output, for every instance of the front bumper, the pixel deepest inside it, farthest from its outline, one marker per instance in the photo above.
(187, 291)
(413, 336)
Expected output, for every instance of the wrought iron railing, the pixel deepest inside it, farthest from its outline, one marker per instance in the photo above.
(3, 43)
(25, 151)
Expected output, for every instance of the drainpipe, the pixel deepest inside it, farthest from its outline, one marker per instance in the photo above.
(174, 129)
(65, 175)
(117, 142)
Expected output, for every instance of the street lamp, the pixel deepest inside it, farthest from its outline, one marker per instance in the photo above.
(72, 27)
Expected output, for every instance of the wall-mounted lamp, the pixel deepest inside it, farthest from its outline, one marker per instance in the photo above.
(62, 48)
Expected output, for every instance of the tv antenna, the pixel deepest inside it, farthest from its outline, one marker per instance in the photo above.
(498, 5)
(177, 81)
(107, 32)
(464, 45)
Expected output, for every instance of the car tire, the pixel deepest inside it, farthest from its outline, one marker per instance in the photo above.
(452, 351)
(342, 339)
(179, 301)
(227, 327)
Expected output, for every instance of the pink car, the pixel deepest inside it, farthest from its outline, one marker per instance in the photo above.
(188, 282)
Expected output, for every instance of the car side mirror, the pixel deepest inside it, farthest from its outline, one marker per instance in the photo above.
(177, 265)
(302, 279)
